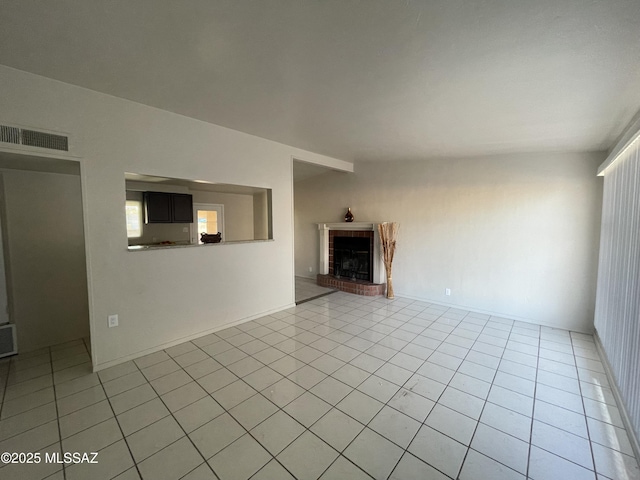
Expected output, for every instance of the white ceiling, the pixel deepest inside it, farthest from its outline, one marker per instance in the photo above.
(357, 80)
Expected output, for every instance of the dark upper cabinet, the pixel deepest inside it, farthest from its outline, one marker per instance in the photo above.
(157, 207)
(182, 205)
(160, 207)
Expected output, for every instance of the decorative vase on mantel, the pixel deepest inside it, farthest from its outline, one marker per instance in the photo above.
(348, 217)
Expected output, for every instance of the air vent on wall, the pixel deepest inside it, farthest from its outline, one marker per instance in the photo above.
(33, 138)
(9, 134)
(45, 140)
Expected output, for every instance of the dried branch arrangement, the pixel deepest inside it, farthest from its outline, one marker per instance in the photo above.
(388, 234)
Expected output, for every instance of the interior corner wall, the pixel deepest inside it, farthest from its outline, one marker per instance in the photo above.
(260, 216)
(162, 297)
(46, 252)
(513, 235)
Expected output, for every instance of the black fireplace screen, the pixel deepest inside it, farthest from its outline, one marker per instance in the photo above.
(352, 258)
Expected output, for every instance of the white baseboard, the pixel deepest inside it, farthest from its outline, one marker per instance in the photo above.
(157, 348)
(616, 393)
(489, 312)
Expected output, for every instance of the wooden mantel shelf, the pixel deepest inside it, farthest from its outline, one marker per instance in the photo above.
(349, 226)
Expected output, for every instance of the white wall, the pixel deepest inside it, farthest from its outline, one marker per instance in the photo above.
(162, 296)
(46, 253)
(511, 235)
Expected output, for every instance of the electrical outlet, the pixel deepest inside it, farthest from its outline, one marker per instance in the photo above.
(311, 269)
(113, 321)
(447, 291)
(185, 229)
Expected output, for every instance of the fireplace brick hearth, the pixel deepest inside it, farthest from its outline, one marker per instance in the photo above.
(359, 287)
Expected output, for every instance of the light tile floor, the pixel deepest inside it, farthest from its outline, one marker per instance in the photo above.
(341, 387)
(307, 288)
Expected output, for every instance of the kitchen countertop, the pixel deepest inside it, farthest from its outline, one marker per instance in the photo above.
(141, 248)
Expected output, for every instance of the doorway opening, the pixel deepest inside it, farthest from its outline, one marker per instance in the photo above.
(208, 218)
(44, 256)
(305, 284)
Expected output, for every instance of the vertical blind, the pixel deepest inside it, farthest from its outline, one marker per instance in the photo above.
(617, 319)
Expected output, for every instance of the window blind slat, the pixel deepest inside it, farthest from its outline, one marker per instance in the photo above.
(617, 316)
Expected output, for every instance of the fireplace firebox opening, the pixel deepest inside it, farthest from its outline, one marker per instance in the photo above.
(352, 258)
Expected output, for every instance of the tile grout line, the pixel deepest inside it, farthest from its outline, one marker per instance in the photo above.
(386, 403)
(317, 420)
(536, 400)
(210, 394)
(593, 457)
(51, 373)
(148, 382)
(423, 423)
(159, 396)
(406, 450)
(340, 453)
(64, 467)
(305, 391)
(414, 372)
(583, 414)
(367, 324)
(209, 355)
(486, 400)
(124, 438)
(55, 399)
(26, 411)
(259, 392)
(533, 411)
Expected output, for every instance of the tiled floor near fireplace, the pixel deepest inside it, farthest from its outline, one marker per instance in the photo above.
(308, 289)
(341, 387)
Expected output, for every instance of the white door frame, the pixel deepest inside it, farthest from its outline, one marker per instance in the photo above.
(206, 206)
(4, 287)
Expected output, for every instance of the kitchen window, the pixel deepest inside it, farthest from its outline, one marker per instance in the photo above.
(134, 218)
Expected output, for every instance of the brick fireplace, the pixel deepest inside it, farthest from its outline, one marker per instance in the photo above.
(350, 258)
